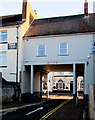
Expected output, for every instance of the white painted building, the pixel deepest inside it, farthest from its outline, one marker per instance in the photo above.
(62, 81)
(57, 44)
(13, 27)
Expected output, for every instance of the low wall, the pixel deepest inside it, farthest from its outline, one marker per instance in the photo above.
(0, 90)
(8, 90)
(92, 102)
(7, 94)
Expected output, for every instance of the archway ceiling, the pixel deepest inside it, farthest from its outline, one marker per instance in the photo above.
(56, 68)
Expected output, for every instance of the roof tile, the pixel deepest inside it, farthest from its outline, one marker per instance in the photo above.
(62, 25)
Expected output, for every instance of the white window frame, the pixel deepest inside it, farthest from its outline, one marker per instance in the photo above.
(1, 58)
(1, 41)
(63, 49)
(38, 50)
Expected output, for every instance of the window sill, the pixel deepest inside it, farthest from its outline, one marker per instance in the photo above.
(3, 42)
(41, 56)
(2, 66)
(63, 55)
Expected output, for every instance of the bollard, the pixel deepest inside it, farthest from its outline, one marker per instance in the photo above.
(76, 101)
(84, 115)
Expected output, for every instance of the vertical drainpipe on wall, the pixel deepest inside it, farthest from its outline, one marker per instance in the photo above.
(41, 83)
(47, 85)
(17, 55)
(17, 88)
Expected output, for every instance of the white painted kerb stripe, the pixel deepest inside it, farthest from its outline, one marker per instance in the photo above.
(34, 110)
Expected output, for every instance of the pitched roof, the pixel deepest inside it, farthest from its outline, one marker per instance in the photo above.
(62, 25)
(10, 20)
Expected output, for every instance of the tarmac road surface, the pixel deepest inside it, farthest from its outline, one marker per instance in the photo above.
(37, 112)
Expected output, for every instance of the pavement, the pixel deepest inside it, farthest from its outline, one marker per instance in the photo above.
(69, 111)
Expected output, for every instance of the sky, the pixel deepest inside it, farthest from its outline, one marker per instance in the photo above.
(46, 8)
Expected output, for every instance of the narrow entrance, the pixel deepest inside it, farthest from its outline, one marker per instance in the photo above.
(80, 80)
(71, 86)
(59, 85)
(49, 80)
(63, 83)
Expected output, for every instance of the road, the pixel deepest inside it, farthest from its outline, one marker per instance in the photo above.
(36, 112)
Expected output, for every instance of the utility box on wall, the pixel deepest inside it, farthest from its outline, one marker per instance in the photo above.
(92, 47)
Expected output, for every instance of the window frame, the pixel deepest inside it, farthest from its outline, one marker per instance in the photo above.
(1, 33)
(38, 55)
(63, 54)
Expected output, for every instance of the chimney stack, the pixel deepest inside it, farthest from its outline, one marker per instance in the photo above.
(24, 10)
(86, 8)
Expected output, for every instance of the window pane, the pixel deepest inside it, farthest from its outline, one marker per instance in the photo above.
(63, 45)
(63, 51)
(0, 37)
(0, 60)
(3, 59)
(41, 50)
(3, 36)
(41, 53)
(63, 48)
(4, 32)
(41, 47)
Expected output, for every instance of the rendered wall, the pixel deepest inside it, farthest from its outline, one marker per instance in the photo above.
(79, 47)
(9, 72)
(0, 89)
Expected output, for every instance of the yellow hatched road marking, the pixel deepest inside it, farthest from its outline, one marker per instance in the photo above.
(54, 110)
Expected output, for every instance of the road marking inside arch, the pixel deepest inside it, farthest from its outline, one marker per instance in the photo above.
(34, 110)
(54, 110)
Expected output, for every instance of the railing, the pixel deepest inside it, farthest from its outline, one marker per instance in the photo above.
(92, 102)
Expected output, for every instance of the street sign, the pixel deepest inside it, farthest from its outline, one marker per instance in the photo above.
(12, 46)
(52, 62)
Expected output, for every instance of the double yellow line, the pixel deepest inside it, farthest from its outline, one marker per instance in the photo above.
(54, 110)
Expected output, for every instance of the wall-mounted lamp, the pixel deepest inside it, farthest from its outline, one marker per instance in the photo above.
(88, 57)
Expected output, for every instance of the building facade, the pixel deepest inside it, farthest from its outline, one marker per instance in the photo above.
(62, 82)
(60, 44)
(12, 29)
(57, 44)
